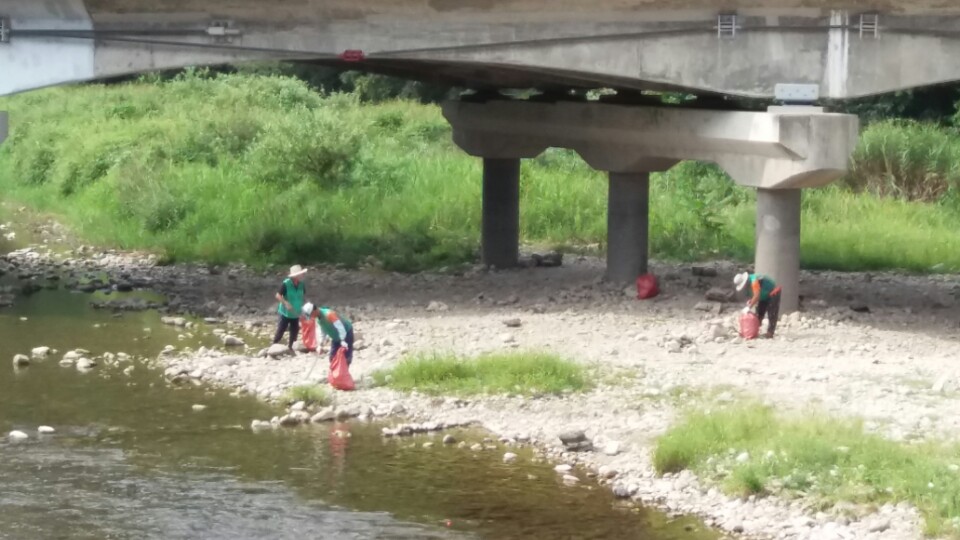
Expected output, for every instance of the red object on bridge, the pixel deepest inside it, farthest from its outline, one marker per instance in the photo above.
(352, 55)
(647, 287)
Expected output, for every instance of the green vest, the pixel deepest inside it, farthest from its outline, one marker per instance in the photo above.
(767, 286)
(294, 295)
(328, 327)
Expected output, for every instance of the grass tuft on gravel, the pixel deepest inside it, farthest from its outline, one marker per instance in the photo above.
(750, 449)
(309, 393)
(514, 372)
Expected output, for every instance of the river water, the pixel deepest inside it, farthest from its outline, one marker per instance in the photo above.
(131, 459)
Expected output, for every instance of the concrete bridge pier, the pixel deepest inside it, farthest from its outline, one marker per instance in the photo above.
(4, 126)
(628, 222)
(500, 231)
(778, 242)
(778, 152)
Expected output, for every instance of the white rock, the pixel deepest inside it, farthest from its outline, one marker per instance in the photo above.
(39, 353)
(21, 360)
(45, 430)
(612, 448)
(18, 436)
(563, 468)
(277, 349)
(570, 479)
(326, 414)
(85, 363)
(507, 338)
(298, 406)
(509, 457)
(128, 370)
(198, 407)
(743, 457)
(233, 341)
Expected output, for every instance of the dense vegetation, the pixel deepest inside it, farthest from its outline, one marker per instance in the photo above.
(265, 168)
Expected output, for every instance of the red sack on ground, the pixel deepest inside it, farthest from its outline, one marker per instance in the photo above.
(749, 325)
(339, 376)
(647, 287)
(308, 333)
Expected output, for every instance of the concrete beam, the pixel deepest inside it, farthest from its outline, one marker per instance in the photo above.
(778, 242)
(628, 215)
(784, 148)
(500, 234)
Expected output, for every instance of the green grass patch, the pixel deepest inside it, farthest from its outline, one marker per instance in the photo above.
(750, 449)
(503, 373)
(263, 169)
(308, 393)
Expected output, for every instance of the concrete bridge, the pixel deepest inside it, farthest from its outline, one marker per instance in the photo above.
(797, 50)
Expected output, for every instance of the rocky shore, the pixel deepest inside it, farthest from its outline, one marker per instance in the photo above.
(876, 346)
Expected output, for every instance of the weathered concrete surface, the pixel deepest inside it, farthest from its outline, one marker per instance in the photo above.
(786, 148)
(778, 242)
(500, 235)
(624, 44)
(4, 126)
(628, 224)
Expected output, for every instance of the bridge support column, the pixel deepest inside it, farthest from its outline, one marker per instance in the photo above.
(4, 126)
(628, 213)
(778, 242)
(500, 235)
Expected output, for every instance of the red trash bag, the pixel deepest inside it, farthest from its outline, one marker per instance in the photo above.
(339, 376)
(749, 325)
(308, 333)
(647, 287)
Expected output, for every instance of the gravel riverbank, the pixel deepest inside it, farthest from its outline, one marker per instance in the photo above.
(877, 346)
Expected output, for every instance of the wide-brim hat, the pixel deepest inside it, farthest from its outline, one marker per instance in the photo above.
(740, 280)
(297, 271)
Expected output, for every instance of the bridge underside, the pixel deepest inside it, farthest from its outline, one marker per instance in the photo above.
(843, 48)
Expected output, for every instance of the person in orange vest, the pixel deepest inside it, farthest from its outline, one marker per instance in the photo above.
(764, 296)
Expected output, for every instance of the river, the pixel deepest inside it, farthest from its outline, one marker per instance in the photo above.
(132, 459)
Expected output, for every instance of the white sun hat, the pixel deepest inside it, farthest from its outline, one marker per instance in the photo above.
(308, 309)
(740, 280)
(297, 270)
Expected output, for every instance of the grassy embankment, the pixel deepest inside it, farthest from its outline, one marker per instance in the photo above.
(750, 449)
(503, 373)
(262, 169)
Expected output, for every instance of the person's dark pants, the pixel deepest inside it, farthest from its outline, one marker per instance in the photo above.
(336, 347)
(770, 308)
(282, 324)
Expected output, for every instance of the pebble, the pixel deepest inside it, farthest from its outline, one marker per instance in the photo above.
(21, 360)
(509, 457)
(611, 448)
(39, 353)
(199, 407)
(18, 436)
(563, 468)
(45, 430)
(449, 439)
(327, 414)
(85, 364)
(570, 479)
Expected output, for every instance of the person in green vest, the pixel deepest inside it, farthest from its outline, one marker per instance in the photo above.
(764, 295)
(339, 329)
(290, 296)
